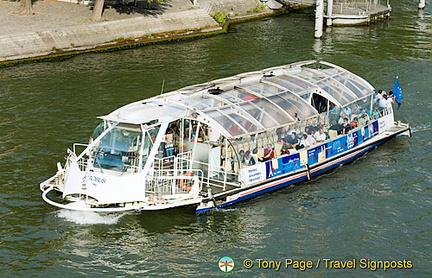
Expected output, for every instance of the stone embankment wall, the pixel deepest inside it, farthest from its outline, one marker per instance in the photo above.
(18, 46)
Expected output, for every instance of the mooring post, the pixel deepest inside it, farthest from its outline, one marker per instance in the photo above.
(319, 18)
(422, 4)
(329, 12)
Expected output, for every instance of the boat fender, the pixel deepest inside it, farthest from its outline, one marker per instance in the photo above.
(308, 172)
(183, 184)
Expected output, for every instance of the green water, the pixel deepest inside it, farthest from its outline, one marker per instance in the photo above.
(377, 208)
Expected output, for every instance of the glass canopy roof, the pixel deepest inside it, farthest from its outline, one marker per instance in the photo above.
(263, 100)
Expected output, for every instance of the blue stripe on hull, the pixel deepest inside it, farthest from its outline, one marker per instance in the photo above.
(345, 159)
(302, 177)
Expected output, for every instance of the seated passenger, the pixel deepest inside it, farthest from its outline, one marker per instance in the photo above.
(310, 139)
(346, 126)
(304, 143)
(356, 109)
(362, 120)
(268, 153)
(320, 136)
(292, 139)
(342, 117)
(248, 159)
(286, 148)
(311, 129)
(376, 114)
(366, 114)
(354, 123)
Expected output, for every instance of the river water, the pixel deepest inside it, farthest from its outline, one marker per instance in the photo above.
(378, 208)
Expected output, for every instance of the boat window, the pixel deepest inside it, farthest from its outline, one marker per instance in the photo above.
(336, 90)
(99, 129)
(320, 103)
(291, 83)
(118, 149)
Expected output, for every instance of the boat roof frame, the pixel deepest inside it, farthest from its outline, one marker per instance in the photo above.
(252, 98)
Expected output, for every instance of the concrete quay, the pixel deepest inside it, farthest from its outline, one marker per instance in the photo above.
(59, 28)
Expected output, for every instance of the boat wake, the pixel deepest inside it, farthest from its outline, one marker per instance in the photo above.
(86, 217)
(421, 128)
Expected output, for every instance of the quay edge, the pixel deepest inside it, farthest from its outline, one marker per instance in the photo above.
(114, 35)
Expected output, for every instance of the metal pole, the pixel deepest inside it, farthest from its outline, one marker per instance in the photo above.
(319, 18)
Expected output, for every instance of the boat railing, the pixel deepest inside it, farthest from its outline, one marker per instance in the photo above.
(357, 7)
(218, 176)
(175, 174)
(172, 183)
(75, 145)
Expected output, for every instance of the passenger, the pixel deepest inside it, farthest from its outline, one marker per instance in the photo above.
(280, 134)
(392, 96)
(194, 134)
(241, 155)
(356, 109)
(286, 148)
(292, 139)
(385, 102)
(366, 114)
(354, 123)
(362, 120)
(310, 139)
(320, 136)
(346, 126)
(248, 159)
(342, 117)
(268, 153)
(312, 129)
(378, 96)
(376, 114)
(303, 142)
(169, 145)
(334, 112)
(173, 126)
(240, 158)
(255, 155)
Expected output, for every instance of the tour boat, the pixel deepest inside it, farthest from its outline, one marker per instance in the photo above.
(218, 143)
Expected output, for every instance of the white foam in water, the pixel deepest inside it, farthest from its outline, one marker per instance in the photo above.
(88, 217)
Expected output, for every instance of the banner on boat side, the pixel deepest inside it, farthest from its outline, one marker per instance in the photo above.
(290, 163)
(253, 174)
(386, 122)
(272, 168)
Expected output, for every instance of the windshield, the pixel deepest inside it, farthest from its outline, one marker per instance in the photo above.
(118, 149)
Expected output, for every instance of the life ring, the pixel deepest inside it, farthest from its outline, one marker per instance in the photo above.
(182, 182)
